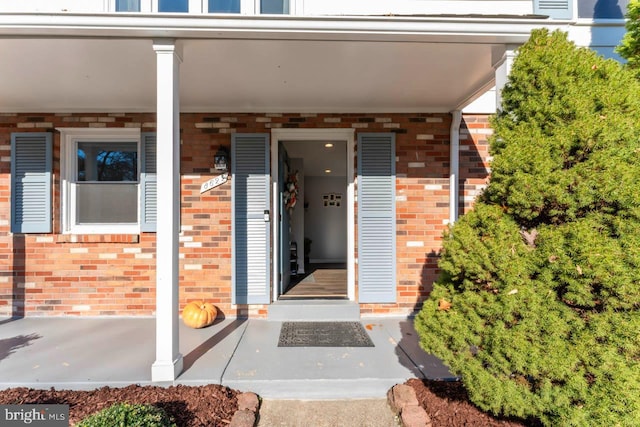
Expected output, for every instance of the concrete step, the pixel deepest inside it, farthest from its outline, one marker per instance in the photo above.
(314, 310)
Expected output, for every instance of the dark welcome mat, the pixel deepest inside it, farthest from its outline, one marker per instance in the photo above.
(324, 334)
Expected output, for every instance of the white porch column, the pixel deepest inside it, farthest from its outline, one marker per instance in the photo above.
(168, 364)
(454, 168)
(502, 62)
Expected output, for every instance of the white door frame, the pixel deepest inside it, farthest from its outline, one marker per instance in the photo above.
(320, 134)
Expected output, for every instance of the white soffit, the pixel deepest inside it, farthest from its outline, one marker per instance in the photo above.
(283, 68)
(67, 75)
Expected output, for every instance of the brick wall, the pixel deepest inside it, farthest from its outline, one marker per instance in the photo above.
(474, 159)
(54, 274)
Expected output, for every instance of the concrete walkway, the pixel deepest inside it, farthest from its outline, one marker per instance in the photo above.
(86, 353)
(326, 413)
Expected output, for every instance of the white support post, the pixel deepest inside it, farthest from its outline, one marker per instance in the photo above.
(454, 168)
(502, 64)
(168, 364)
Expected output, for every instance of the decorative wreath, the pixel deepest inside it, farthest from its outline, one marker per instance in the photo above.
(291, 191)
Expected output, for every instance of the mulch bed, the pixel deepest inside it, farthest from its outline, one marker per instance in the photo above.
(448, 405)
(209, 405)
(446, 402)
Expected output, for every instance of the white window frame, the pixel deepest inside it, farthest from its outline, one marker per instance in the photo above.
(69, 137)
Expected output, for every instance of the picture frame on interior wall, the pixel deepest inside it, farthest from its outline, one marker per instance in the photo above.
(331, 200)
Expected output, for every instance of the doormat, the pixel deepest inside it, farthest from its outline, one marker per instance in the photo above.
(324, 334)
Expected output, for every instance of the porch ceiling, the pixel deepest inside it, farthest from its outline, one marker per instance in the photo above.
(64, 70)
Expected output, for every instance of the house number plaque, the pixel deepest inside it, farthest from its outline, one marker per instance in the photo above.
(213, 183)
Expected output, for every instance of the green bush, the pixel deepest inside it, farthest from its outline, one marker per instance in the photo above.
(128, 415)
(543, 276)
(629, 48)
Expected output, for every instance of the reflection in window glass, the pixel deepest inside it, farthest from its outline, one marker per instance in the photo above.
(173, 5)
(127, 5)
(104, 161)
(278, 7)
(224, 6)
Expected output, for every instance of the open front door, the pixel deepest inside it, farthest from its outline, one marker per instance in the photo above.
(251, 218)
(307, 151)
(284, 226)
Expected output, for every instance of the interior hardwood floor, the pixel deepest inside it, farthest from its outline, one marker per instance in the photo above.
(320, 281)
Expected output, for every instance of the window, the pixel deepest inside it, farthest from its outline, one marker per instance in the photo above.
(248, 7)
(224, 6)
(245, 7)
(276, 7)
(594, 9)
(173, 5)
(127, 5)
(105, 181)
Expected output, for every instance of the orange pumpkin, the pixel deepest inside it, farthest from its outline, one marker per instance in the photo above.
(198, 314)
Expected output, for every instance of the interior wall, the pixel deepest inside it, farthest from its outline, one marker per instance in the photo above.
(326, 226)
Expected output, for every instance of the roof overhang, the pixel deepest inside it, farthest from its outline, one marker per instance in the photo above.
(77, 62)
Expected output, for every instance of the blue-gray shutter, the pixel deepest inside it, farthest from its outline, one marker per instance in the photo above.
(250, 231)
(148, 183)
(376, 218)
(31, 182)
(555, 9)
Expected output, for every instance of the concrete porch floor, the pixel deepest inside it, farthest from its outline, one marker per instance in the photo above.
(87, 353)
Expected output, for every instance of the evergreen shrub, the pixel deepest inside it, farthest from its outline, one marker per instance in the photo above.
(543, 276)
(629, 48)
(128, 415)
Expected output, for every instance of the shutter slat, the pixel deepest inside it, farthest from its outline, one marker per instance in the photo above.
(148, 184)
(31, 162)
(250, 187)
(555, 9)
(376, 218)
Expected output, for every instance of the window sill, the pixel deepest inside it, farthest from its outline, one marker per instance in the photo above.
(98, 238)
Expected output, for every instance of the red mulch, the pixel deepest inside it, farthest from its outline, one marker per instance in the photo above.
(210, 405)
(448, 405)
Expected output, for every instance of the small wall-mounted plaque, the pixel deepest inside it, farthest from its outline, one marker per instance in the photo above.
(213, 183)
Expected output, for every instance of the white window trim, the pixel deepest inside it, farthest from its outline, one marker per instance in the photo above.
(68, 138)
(248, 7)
